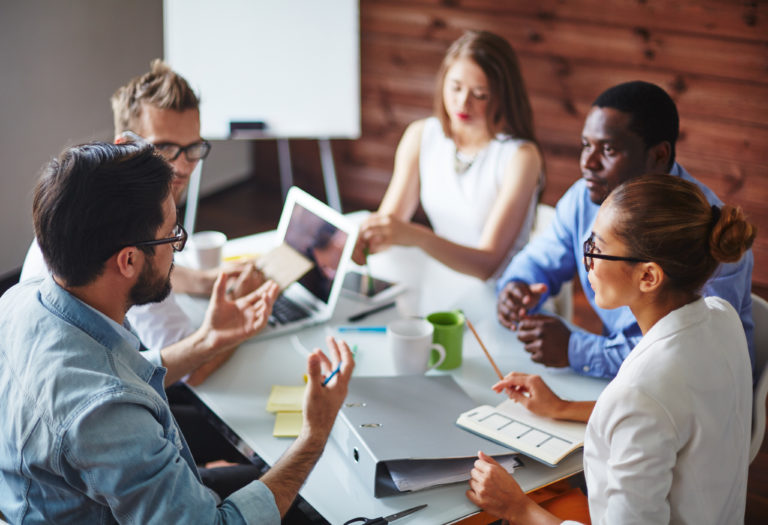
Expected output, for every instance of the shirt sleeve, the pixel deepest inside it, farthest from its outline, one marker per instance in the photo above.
(34, 266)
(120, 454)
(733, 282)
(642, 450)
(160, 324)
(549, 257)
(601, 356)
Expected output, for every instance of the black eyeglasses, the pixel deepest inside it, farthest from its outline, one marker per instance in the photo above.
(590, 255)
(178, 240)
(193, 152)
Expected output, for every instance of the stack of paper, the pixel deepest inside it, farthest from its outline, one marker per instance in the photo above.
(286, 403)
(411, 474)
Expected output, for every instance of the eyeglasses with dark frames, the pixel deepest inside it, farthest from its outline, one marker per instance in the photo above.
(177, 241)
(170, 151)
(590, 255)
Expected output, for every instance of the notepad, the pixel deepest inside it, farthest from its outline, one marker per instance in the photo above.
(287, 424)
(285, 398)
(512, 425)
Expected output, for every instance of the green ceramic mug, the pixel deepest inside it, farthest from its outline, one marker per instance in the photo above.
(449, 332)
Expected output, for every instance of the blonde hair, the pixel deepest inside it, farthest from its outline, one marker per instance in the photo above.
(161, 87)
(509, 110)
(668, 220)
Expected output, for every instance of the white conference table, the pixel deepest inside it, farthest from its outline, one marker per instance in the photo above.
(237, 393)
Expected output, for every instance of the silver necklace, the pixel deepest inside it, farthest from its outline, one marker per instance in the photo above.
(461, 162)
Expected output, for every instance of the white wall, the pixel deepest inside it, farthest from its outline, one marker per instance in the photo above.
(59, 63)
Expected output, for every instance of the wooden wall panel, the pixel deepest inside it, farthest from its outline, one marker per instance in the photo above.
(621, 44)
(710, 55)
(724, 18)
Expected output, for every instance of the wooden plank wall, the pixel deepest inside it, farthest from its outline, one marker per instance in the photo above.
(710, 55)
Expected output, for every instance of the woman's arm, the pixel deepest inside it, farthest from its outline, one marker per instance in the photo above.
(402, 196)
(495, 491)
(533, 393)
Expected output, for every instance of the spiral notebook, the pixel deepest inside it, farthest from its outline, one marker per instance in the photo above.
(512, 425)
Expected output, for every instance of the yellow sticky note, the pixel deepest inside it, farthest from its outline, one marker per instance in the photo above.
(287, 424)
(242, 257)
(285, 398)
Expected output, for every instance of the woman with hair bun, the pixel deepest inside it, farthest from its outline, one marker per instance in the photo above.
(667, 441)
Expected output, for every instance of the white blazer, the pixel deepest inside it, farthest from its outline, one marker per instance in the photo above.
(668, 440)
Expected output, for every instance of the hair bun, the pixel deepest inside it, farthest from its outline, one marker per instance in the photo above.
(732, 234)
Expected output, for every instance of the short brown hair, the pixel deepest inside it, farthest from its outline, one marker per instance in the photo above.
(161, 87)
(95, 199)
(509, 110)
(668, 220)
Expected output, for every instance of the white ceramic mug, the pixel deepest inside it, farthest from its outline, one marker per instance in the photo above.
(410, 344)
(205, 249)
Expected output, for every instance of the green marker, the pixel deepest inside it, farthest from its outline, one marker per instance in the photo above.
(368, 277)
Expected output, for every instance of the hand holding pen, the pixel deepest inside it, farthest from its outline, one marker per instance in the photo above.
(327, 381)
(335, 371)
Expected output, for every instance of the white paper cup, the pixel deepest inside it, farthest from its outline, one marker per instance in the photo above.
(205, 249)
(410, 344)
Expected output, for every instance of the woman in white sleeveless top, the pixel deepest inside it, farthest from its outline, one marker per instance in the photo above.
(475, 167)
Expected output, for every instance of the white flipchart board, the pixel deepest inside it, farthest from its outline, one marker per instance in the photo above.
(292, 64)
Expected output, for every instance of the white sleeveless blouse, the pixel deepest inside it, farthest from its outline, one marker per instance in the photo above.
(458, 204)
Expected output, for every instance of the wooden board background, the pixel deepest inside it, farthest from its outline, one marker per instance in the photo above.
(710, 55)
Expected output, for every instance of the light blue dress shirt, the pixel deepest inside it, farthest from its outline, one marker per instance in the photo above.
(556, 255)
(86, 433)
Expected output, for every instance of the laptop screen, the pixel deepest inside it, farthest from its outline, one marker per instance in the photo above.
(322, 243)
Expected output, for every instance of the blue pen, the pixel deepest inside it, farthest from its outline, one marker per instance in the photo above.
(338, 367)
(361, 329)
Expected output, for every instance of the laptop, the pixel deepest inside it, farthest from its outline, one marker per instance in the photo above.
(327, 239)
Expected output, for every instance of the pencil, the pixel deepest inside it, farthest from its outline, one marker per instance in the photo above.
(368, 277)
(496, 368)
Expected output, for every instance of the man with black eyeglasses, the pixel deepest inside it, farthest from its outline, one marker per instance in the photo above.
(161, 108)
(87, 435)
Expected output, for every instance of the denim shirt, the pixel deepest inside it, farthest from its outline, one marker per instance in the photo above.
(87, 435)
(556, 255)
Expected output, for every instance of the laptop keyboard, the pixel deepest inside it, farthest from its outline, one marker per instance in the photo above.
(285, 311)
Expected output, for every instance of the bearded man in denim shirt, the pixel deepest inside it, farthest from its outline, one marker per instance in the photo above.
(87, 434)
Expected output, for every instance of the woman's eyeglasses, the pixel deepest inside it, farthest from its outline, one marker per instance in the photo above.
(177, 241)
(590, 255)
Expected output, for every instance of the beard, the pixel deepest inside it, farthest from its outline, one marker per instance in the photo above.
(150, 287)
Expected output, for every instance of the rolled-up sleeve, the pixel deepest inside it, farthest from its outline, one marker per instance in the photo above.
(549, 257)
(601, 356)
